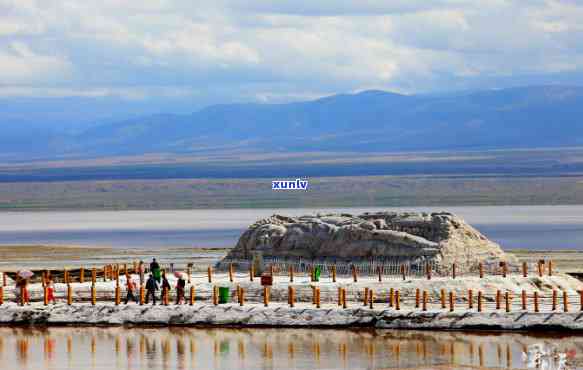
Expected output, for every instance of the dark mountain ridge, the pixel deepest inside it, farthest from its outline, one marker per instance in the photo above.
(370, 121)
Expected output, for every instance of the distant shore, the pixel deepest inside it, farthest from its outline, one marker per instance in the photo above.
(15, 257)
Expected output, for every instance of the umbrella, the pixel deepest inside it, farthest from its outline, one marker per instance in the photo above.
(178, 274)
(25, 274)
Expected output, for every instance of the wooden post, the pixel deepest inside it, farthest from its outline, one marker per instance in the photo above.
(370, 298)
(480, 301)
(339, 296)
(192, 295)
(265, 296)
(391, 297)
(333, 273)
(380, 273)
(550, 268)
(581, 300)
(481, 266)
(291, 273)
(354, 274)
(22, 294)
(117, 278)
(397, 301)
(65, 276)
(242, 298)
(402, 268)
(209, 271)
(554, 300)
(271, 270)
(428, 271)
(82, 275)
(523, 299)
(365, 297)
(507, 301)
(117, 295)
(524, 269)
(344, 305)
(251, 271)
(93, 294)
(470, 299)
(565, 301)
(46, 296)
(215, 295)
(417, 297)
(317, 297)
(424, 300)
(541, 267)
(142, 295)
(453, 270)
(1, 295)
(69, 294)
(498, 296)
(292, 296)
(442, 297)
(231, 272)
(535, 301)
(451, 302)
(93, 275)
(164, 294)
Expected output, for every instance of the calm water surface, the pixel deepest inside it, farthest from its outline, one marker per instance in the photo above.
(531, 227)
(187, 348)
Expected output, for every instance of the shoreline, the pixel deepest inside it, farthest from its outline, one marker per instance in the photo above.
(279, 315)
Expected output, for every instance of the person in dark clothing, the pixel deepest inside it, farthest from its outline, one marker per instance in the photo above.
(151, 287)
(155, 270)
(180, 285)
(165, 285)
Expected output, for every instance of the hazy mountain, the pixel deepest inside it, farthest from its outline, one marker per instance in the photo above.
(368, 121)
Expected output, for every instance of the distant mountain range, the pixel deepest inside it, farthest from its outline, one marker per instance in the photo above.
(370, 121)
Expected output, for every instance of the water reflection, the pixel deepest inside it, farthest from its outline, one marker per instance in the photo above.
(187, 348)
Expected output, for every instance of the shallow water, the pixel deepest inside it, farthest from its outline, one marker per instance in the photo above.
(189, 348)
(530, 227)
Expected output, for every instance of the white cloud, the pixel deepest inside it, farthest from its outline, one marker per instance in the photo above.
(266, 49)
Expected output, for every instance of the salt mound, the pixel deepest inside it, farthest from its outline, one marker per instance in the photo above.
(404, 236)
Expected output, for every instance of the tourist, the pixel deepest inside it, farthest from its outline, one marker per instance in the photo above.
(151, 287)
(180, 285)
(21, 287)
(130, 290)
(165, 286)
(155, 270)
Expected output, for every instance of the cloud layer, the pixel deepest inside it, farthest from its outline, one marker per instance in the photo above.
(262, 50)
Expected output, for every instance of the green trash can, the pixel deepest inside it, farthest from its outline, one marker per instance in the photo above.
(223, 295)
(317, 273)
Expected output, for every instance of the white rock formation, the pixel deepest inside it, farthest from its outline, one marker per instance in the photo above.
(401, 236)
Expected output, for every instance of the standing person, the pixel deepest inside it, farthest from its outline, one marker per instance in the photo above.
(131, 287)
(165, 285)
(180, 285)
(151, 287)
(155, 269)
(22, 284)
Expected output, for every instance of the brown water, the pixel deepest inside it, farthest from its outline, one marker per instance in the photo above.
(189, 348)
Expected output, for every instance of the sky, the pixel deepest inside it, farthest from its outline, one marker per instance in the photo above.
(220, 51)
